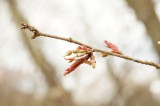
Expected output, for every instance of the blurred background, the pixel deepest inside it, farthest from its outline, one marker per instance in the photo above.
(31, 71)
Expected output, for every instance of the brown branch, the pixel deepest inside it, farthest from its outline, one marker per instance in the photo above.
(104, 53)
(145, 12)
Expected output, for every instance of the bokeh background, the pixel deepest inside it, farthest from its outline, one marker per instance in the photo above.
(31, 71)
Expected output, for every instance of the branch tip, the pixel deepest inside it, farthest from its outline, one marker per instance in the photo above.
(24, 26)
(32, 29)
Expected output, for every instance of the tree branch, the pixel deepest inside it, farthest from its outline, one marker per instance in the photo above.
(104, 53)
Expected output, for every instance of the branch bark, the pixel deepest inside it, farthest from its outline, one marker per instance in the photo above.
(105, 53)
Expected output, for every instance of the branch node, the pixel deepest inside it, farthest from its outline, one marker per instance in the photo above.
(70, 39)
(104, 54)
(32, 29)
(24, 26)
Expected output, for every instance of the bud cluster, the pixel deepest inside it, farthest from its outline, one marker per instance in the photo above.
(80, 55)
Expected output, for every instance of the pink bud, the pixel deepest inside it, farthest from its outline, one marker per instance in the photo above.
(76, 64)
(113, 47)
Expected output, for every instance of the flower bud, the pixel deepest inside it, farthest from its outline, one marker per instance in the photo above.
(68, 53)
(93, 63)
(70, 59)
(79, 48)
(80, 54)
(85, 48)
(75, 51)
(82, 51)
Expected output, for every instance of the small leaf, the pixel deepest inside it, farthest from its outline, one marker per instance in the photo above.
(113, 47)
(77, 63)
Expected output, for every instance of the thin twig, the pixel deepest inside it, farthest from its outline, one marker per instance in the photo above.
(104, 53)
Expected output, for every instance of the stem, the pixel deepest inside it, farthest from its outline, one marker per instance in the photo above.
(104, 53)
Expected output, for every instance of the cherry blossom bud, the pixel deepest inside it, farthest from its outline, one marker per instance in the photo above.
(79, 48)
(75, 51)
(68, 53)
(70, 59)
(80, 54)
(76, 64)
(93, 61)
(113, 47)
(93, 64)
(85, 48)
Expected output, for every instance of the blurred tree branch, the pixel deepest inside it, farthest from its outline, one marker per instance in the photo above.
(128, 92)
(118, 82)
(104, 53)
(145, 12)
(35, 52)
(39, 59)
